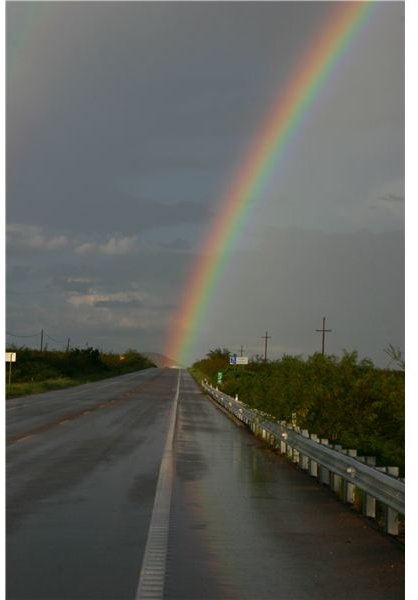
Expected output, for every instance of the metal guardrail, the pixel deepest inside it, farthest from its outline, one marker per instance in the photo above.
(341, 469)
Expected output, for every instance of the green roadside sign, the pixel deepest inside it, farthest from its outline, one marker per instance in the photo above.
(220, 375)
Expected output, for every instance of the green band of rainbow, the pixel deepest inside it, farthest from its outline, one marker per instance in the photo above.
(289, 110)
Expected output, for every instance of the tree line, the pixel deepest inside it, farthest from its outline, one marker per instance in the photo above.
(36, 370)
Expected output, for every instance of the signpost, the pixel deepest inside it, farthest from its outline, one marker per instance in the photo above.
(10, 358)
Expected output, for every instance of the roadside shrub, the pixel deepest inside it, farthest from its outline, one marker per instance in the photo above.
(349, 402)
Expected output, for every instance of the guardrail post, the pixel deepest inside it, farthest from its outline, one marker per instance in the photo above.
(283, 440)
(350, 488)
(324, 476)
(336, 483)
(394, 471)
(390, 515)
(304, 460)
(369, 506)
(313, 465)
(391, 521)
(368, 502)
(349, 492)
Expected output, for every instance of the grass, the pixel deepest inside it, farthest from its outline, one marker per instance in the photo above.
(36, 372)
(15, 390)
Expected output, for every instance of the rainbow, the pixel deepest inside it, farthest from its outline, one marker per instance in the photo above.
(285, 117)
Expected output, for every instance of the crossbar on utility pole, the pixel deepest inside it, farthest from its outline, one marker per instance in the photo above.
(265, 338)
(323, 331)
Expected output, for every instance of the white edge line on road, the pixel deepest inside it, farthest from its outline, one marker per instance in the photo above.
(152, 575)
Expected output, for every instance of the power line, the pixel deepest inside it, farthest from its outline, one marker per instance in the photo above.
(54, 340)
(41, 333)
(23, 336)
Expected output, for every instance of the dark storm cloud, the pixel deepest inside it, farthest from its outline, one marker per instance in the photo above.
(126, 123)
(133, 108)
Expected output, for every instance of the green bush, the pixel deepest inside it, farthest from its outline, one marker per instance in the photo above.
(58, 369)
(349, 402)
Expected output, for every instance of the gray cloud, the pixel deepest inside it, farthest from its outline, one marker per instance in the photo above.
(117, 245)
(72, 284)
(297, 277)
(393, 198)
(33, 237)
(127, 122)
(118, 304)
(177, 244)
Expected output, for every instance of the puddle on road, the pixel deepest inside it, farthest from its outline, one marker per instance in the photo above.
(260, 527)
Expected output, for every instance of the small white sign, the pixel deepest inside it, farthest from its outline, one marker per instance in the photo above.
(10, 356)
(241, 360)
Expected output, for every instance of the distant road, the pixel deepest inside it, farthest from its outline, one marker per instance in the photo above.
(89, 469)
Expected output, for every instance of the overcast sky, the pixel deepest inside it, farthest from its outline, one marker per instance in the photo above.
(126, 122)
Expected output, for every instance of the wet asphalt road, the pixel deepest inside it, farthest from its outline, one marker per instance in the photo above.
(82, 471)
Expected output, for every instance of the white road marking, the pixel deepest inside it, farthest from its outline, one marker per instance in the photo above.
(152, 576)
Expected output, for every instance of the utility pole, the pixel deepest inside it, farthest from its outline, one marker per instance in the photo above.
(265, 338)
(324, 331)
(242, 350)
(42, 339)
(68, 344)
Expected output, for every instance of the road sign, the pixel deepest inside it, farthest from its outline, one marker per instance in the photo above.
(220, 375)
(238, 360)
(241, 360)
(10, 358)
